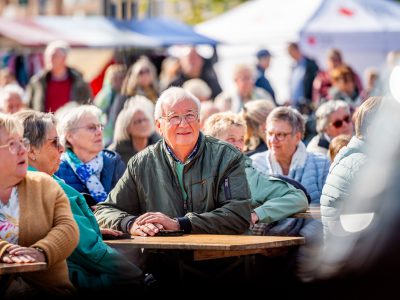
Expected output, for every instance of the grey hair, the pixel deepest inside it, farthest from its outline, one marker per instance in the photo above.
(221, 122)
(238, 69)
(54, 46)
(8, 90)
(173, 94)
(290, 115)
(71, 119)
(198, 87)
(36, 126)
(325, 110)
(125, 117)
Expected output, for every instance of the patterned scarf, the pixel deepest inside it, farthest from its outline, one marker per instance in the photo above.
(88, 173)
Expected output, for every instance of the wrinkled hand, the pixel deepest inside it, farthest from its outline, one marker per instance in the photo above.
(19, 254)
(145, 229)
(158, 218)
(254, 218)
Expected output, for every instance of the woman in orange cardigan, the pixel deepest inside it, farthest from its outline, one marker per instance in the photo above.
(36, 224)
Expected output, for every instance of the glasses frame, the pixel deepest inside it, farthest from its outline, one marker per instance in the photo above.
(24, 142)
(56, 143)
(282, 137)
(89, 129)
(181, 117)
(339, 123)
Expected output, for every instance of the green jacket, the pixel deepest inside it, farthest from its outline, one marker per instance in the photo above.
(214, 181)
(94, 264)
(273, 199)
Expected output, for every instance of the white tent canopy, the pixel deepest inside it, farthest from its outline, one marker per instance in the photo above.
(256, 24)
(364, 37)
(365, 30)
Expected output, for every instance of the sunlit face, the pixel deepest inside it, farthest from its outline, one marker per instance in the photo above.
(245, 83)
(87, 136)
(140, 125)
(145, 78)
(280, 139)
(12, 164)
(234, 135)
(339, 117)
(13, 104)
(57, 59)
(47, 158)
(185, 134)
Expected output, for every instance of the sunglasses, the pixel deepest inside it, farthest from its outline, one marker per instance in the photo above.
(339, 123)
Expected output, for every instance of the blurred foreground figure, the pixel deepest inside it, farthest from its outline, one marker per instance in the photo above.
(365, 256)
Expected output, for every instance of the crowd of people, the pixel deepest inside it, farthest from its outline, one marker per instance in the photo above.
(171, 151)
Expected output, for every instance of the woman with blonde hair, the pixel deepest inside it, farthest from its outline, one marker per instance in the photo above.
(255, 114)
(36, 224)
(134, 129)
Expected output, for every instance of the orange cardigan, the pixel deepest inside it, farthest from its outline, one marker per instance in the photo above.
(46, 221)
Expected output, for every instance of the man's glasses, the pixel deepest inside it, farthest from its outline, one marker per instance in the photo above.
(339, 123)
(177, 119)
(56, 143)
(280, 136)
(92, 128)
(15, 146)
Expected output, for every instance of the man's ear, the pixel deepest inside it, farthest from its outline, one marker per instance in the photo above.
(158, 127)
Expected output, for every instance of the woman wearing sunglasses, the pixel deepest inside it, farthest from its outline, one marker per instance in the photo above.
(333, 118)
(36, 224)
(85, 165)
(93, 264)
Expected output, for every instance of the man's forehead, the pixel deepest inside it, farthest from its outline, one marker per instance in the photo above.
(183, 104)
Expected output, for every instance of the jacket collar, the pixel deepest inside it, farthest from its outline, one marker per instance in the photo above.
(195, 152)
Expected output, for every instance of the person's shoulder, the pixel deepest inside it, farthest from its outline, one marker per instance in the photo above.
(148, 155)
(259, 155)
(39, 178)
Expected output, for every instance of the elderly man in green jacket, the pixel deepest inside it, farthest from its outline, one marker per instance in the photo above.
(185, 181)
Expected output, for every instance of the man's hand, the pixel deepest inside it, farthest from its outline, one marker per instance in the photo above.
(254, 218)
(145, 229)
(158, 218)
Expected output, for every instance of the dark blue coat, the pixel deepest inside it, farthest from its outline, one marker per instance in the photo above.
(113, 168)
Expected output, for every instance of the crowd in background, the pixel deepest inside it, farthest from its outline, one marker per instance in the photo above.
(302, 152)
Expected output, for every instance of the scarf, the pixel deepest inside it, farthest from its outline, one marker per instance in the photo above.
(298, 161)
(88, 173)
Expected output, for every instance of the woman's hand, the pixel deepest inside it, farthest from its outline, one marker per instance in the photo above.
(113, 232)
(19, 254)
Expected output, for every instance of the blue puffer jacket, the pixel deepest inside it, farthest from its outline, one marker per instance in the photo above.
(113, 168)
(342, 172)
(312, 176)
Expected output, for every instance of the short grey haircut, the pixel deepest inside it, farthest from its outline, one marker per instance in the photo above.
(8, 90)
(325, 110)
(54, 46)
(240, 68)
(173, 94)
(290, 115)
(71, 119)
(36, 126)
(198, 88)
(10, 124)
(124, 119)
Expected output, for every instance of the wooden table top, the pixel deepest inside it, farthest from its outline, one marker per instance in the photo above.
(313, 212)
(210, 242)
(22, 267)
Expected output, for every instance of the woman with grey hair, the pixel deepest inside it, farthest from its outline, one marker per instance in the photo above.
(333, 118)
(85, 268)
(85, 165)
(134, 131)
(11, 98)
(287, 155)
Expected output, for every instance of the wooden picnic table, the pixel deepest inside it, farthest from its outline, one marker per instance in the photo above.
(21, 267)
(313, 212)
(211, 246)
